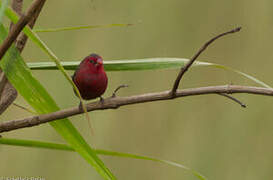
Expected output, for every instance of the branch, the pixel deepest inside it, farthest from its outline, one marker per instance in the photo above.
(184, 69)
(8, 96)
(116, 102)
(3, 81)
(22, 38)
(17, 6)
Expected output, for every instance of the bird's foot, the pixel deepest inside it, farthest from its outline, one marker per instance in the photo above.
(81, 106)
(118, 88)
(101, 100)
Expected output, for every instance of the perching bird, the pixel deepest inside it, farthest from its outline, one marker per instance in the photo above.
(90, 77)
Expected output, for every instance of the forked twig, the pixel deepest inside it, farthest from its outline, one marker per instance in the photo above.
(184, 69)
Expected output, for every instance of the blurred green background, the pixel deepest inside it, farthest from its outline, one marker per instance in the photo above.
(210, 134)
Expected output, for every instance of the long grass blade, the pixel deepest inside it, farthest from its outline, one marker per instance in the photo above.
(80, 27)
(143, 64)
(55, 146)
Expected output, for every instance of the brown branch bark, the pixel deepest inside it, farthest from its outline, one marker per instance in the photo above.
(8, 96)
(22, 38)
(185, 68)
(3, 81)
(7, 92)
(116, 102)
(17, 6)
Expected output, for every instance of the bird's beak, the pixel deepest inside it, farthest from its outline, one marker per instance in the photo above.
(99, 61)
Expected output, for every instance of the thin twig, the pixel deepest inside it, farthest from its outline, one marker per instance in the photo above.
(24, 108)
(233, 99)
(118, 88)
(116, 102)
(184, 69)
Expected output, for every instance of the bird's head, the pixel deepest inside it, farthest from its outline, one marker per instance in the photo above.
(94, 60)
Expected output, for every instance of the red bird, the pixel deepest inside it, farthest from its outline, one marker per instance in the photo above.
(90, 77)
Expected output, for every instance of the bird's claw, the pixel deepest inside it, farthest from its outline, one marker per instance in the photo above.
(101, 99)
(81, 106)
(118, 88)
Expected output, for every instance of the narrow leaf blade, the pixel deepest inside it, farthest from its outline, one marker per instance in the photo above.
(55, 146)
(80, 27)
(143, 64)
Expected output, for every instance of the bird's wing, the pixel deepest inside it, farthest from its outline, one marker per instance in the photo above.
(76, 70)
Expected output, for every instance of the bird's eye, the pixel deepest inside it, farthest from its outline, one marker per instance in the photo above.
(92, 61)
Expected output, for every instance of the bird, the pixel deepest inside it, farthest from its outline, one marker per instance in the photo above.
(90, 77)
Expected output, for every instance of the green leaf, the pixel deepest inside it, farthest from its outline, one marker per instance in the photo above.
(48, 145)
(80, 27)
(142, 64)
(36, 144)
(35, 94)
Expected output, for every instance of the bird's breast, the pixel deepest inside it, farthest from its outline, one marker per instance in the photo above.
(91, 85)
